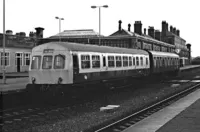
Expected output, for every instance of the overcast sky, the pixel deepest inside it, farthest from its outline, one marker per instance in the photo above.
(25, 15)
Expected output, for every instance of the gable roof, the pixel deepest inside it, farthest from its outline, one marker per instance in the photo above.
(77, 33)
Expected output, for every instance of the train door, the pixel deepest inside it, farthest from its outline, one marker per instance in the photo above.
(18, 61)
(104, 60)
(75, 64)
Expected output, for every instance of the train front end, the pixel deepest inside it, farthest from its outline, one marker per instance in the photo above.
(49, 71)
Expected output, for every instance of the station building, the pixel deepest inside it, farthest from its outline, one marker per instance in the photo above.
(17, 50)
(155, 40)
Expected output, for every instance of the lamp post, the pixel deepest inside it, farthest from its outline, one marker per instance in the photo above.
(4, 70)
(105, 6)
(59, 26)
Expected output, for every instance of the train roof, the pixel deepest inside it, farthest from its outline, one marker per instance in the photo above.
(166, 54)
(89, 48)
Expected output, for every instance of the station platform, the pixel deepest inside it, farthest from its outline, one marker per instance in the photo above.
(189, 67)
(181, 116)
(13, 84)
(15, 75)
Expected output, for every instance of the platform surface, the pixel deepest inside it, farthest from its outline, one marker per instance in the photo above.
(189, 67)
(181, 116)
(13, 84)
(187, 121)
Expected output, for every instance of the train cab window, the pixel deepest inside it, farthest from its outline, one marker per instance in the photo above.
(95, 61)
(59, 62)
(133, 61)
(47, 62)
(111, 61)
(130, 61)
(141, 61)
(118, 61)
(125, 61)
(137, 61)
(36, 62)
(85, 61)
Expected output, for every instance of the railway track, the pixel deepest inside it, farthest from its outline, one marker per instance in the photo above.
(132, 119)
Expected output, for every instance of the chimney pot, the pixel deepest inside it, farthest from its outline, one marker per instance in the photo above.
(129, 27)
(120, 23)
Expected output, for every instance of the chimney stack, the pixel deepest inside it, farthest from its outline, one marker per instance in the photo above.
(151, 32)
(9, 32)
(174, 30)
(138, 27)
(189, 48)
(120, 25)
(178, 32)
(129, 27)
(145, 31)
(157, 35)
(171, 28)
(39, 32)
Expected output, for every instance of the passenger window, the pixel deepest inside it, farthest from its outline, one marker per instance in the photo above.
(134, 61)
(125, 61)
(147, 62)
(47, 62)
(137, 61)
(111, 61)
(95, 61)
(36, 62)
(118, 61)
(130, 61)
(85, 61)
(59, 62)
(141, 61)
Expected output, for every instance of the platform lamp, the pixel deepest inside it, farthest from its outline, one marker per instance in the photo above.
(4, 37)
(59, 26)
(104, 6)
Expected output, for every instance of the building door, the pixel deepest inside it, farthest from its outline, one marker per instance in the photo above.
(18, 61)
(18, 64)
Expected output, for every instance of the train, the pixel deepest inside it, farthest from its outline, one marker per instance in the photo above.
(59, 67)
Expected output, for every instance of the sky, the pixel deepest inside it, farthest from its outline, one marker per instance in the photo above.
(25, 15)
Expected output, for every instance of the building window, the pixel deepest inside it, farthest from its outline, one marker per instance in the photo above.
(111, 61)
(18, 59)
(6, 58)
(85, 61)
(27, 59)
(95, 61)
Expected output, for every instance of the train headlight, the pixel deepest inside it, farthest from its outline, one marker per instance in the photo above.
(60, 80)
(33, 80)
